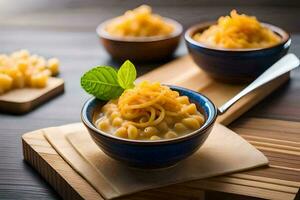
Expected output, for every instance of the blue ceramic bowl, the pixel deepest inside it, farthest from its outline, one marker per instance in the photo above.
(147, 153)
(235, 65)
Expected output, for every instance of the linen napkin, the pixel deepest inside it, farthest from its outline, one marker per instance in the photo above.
(223, 152)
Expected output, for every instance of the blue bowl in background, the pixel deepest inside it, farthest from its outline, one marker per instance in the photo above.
(235, 65)
(150, 154)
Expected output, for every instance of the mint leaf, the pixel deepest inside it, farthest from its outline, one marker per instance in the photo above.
(102, 82)
(105, 83)
(127, 75)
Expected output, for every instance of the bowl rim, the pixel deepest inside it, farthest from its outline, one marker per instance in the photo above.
(286, 38)
(201, 130)
(102, 33)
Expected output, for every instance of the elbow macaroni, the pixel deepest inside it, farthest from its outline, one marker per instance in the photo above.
(139, 22)
(138, 121)
(21, 69)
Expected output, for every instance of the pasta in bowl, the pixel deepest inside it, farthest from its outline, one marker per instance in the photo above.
(140, 35)
(143, 150)
(236, 48)
(149, 111)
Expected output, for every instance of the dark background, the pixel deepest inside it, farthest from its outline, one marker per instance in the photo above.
(66, 29)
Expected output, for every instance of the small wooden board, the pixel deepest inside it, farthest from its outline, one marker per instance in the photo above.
(19, 101)
(280, 181)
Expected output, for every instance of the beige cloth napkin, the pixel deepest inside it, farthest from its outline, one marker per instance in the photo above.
(223, 152)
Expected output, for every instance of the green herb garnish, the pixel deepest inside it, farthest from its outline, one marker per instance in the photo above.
(105, 83)
(127, 75)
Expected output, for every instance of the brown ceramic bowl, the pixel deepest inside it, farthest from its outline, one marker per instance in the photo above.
(235, 65)
(140, 49)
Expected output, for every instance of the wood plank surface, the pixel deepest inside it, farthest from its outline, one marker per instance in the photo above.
(254, 183)
(66, 29)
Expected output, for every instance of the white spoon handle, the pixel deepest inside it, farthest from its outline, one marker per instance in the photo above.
(282, 66)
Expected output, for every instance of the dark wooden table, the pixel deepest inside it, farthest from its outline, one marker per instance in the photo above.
(67, 30)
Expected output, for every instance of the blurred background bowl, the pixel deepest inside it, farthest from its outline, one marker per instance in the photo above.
(140, 49)
(235, 65)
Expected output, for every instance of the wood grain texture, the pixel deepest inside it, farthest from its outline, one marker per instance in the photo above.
(20, 101)
(52, 167)
(66, 29)
(257, 184)
(79, 151)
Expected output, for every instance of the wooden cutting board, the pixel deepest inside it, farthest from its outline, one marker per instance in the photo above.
(222, 153)
(280, 181)
(278, 140)
(19, 101)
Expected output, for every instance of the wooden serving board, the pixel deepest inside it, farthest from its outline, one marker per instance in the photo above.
(280, 181)
(278, 140)
(19, 101)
